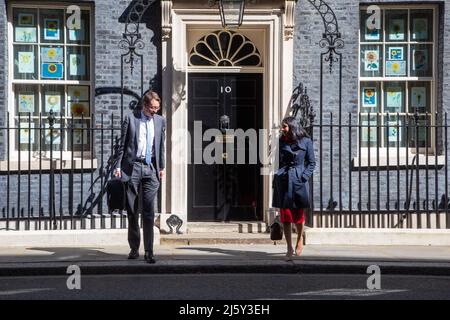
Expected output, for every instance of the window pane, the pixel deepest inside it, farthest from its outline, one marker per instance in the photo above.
(25, 62)
(26, 100)
(25, 25)
(52, 63)
(52, 26)
(395, 133)
(78, 99)
(371, 61)
(419, 97)
(80, 136)
(396, 25)
(421, 132)
(28, 135)
(373, 34)
(79, 34)
(421, 25)
(396, 64)
(421, 60)
(370, 97)
(77, 63)
(52, 137)
(53, 99)
(370, 132)
(394, 97)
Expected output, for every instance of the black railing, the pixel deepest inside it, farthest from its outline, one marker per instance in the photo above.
(55, 171)
(392, 171)
(386, 174)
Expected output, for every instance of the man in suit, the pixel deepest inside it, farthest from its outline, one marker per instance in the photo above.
(141, 164)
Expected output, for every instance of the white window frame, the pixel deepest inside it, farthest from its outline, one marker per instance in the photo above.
(36, 156)
(365, 151)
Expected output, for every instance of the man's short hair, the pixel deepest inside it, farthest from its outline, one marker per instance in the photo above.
(149, 96)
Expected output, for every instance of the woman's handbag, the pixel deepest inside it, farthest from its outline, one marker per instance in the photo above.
(276, 229)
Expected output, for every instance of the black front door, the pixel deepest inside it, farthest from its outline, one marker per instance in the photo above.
(231, 190)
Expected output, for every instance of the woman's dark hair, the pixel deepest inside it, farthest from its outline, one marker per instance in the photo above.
(296, 131)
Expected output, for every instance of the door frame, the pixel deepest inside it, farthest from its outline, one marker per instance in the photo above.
(277, 89)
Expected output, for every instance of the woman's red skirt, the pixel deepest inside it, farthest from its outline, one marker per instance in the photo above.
(296, 216)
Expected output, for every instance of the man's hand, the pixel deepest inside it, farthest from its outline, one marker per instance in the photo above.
(162, 173)
(117, 173)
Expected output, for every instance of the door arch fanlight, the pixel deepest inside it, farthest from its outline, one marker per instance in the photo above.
(225, 48)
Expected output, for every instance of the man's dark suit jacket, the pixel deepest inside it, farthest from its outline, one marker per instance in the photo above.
(129, 143)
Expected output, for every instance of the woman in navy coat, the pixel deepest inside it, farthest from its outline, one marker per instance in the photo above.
(290, 183)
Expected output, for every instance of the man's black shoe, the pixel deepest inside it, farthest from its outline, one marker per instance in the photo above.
(134, 254)
(149, 258)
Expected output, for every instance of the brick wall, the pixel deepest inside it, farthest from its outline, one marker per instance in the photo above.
(336, 176)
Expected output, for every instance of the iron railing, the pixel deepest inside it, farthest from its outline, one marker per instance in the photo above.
(61, 182)
(385, 174)
(388, 174)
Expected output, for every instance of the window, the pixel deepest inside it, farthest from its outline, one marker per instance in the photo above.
(225, 48)
(50, 71)
(398, 77)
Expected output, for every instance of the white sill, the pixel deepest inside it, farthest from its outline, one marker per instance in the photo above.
(34, 165)
(397, 160)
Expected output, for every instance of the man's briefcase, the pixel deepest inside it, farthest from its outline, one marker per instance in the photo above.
(116, 194)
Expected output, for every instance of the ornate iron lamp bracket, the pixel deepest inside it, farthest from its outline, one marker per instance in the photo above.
(132, 38)
(331, 38)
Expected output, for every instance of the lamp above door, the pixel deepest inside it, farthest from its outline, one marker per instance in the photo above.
(231, 12)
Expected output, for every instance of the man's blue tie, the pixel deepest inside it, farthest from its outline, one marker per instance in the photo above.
(148, 153)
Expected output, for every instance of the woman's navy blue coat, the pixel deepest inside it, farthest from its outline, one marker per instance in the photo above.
(297, 164)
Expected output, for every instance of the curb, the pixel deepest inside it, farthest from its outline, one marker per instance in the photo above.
(180, 267)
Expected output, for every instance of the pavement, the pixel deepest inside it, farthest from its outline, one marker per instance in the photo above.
(227, 258)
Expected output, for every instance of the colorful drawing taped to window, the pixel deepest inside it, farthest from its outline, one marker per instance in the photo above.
(420, 60)
(396, 68)
(53, 102)
(418, 97)
(26, 62)
(26, 19)
(52, 70)
(52, 136)
(26, 34)
(365, 131)
(52, 55)
(420, 29)
(78, 93)
(79, 109)
(80, 135)
(26, 102)
(397, 29)
(77, 65)
(371, 60)
(394, 98)
(372, 34)
(51, 30)
(369, 97)
(396, 53)
(395, 131)
(25, 135)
